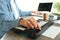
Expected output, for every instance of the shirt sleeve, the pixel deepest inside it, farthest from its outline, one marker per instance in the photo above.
(5, 24)
(24, 13)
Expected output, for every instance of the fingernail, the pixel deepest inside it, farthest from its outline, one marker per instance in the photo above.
(39, 28)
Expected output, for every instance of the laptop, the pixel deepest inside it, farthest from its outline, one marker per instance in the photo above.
(44, 24)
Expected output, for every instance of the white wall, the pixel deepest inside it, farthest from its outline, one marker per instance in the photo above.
(27, 5)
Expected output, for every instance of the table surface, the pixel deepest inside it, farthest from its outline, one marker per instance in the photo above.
(13, 36)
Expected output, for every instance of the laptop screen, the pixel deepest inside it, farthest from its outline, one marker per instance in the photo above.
(45, 6)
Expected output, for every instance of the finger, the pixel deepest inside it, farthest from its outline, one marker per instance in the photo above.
(38, 27)
(25, 24)
(30, 25)
(33, 23)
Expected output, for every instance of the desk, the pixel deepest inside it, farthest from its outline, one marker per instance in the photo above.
(12, 36)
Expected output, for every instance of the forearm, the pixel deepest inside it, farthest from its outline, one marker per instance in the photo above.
(25, 13)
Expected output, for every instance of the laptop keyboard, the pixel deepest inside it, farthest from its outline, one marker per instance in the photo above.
(41, 23)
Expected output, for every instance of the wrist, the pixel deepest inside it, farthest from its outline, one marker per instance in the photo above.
(20, 20)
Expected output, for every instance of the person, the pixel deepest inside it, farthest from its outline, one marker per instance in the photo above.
(8, 21)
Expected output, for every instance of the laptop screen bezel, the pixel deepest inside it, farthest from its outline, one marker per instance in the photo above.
(49, 9)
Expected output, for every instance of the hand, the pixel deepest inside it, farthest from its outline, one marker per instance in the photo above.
(30, 23)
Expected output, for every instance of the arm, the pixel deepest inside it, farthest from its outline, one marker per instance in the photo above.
(25, 13)
(5, 22)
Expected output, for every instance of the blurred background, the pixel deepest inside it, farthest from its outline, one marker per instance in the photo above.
(32, 5)
(28, 5)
